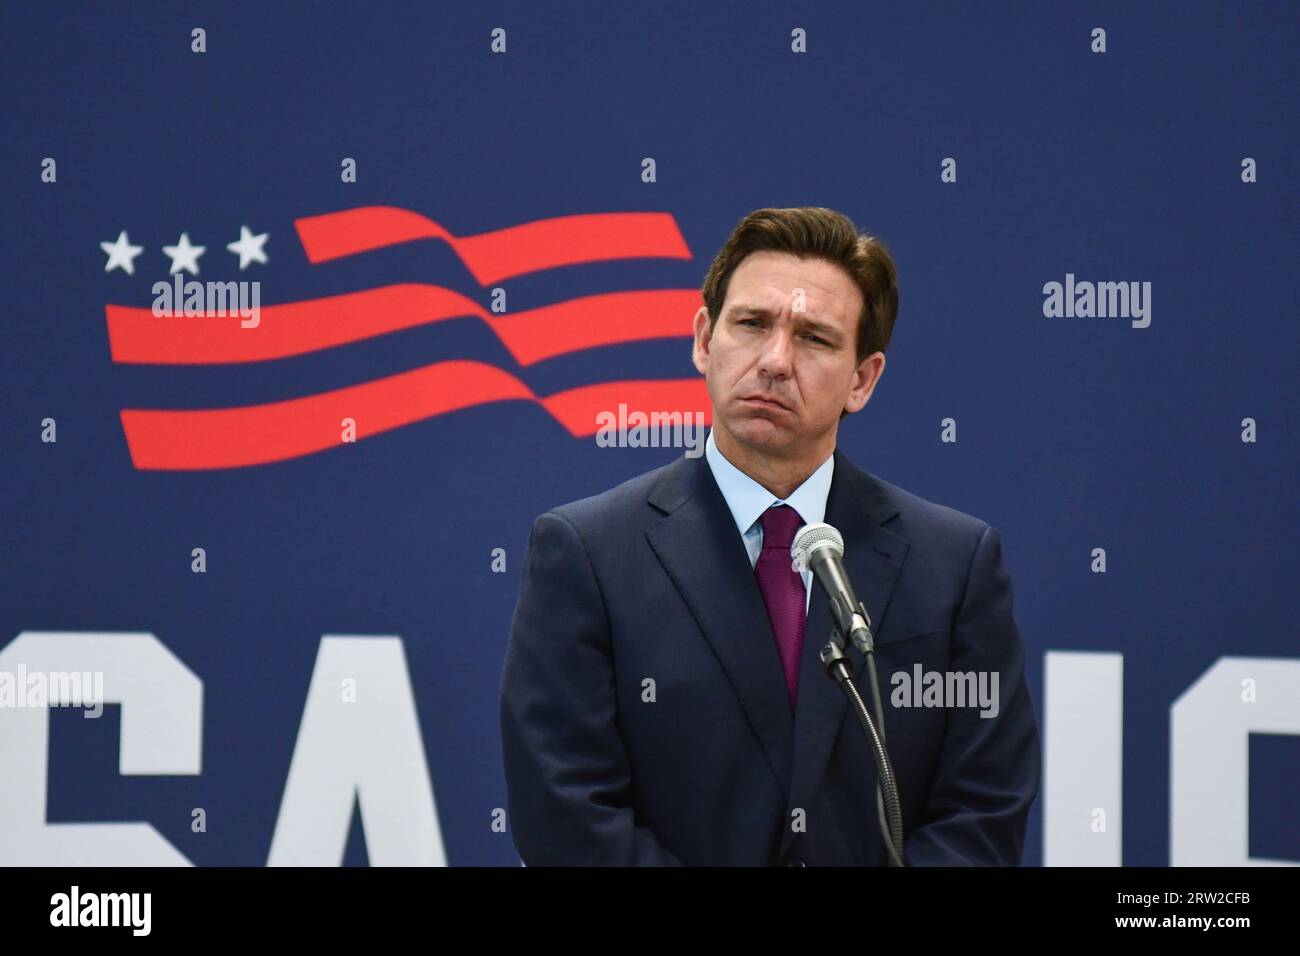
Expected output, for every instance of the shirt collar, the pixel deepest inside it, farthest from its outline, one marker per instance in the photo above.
(747, 499)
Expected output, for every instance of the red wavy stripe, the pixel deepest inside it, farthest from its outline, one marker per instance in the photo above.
(136, 335)
(502, 253)
(195, 440)
(577, 408)
(538, 334)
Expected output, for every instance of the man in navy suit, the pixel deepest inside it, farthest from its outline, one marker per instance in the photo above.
(662, 699)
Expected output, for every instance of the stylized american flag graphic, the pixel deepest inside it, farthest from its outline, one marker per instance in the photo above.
(238, 436)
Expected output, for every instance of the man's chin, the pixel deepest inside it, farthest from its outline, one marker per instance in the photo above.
(762, 433)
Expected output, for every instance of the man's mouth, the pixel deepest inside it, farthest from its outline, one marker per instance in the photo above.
(762, 401)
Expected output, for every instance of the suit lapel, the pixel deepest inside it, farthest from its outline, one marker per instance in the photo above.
(702, 551)
(873, 555)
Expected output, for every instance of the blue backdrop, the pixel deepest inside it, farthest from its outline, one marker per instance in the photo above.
(1073, 433)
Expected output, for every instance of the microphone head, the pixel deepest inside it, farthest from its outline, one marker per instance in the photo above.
(812, 538)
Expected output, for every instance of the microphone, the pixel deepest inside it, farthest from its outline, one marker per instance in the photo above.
(820, 547)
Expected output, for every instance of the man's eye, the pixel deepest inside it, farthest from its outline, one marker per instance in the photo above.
(749, 321)
(816, 338)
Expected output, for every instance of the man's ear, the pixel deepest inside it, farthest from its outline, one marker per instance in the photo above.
(865, 377)
(703, 337)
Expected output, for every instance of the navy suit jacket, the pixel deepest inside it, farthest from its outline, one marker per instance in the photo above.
(709, 764)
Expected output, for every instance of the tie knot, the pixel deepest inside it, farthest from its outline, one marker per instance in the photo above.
(779, 525)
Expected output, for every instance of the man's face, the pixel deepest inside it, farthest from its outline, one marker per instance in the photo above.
(780, 362)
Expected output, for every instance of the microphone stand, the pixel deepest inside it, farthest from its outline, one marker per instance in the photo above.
(889, 809)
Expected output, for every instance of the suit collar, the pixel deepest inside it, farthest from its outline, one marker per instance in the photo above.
(858, 490)
(748, 500)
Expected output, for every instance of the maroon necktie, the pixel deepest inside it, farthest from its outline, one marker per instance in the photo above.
(783, 590)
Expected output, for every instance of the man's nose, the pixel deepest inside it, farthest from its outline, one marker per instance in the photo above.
(778, 353)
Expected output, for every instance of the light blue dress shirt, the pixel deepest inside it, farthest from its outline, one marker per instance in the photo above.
(747, 500)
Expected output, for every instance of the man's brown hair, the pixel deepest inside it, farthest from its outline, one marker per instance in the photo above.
(814, 232)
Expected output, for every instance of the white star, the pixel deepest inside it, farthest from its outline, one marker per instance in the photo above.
(184, 256)
(249, 248)
(121, 253)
